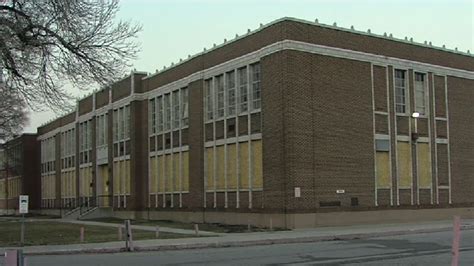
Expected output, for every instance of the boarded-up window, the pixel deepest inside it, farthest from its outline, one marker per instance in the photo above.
(116, 184)
(383, 169)
(168, 176)
(176, 181)
(231, 166)
(160, 176)
(257, 172)
(424, 165)
(220, 175)
(209, 168)
(404, 165)
(153, 176)
(244, 165)
(185, 171)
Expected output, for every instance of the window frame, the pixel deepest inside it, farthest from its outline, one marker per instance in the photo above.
(417, 90)
(405, 104)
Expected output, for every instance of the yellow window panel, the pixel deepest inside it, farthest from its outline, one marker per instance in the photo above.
(123, 177)
(80, 181)
(152, 176)
(156, 175)
(404, 164)
(128, 178)
(51, 185)
(83, 182)
(424, 165)
(176, 181)
(161, 177)
(2, 189)
(44, 185)
(220, 164)
(244, 165)
(47, 184)
(74, 184)
(185, 171)
(116, 182)
(257, 166)
(63, 185)
(168, 174)
(89, 181)
(231, 166)
(209, 168)
(383, 169)
(68, 184)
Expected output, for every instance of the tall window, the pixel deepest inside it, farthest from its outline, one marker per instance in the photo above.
(400, 91)
(85, 141)
(420, 93)
(243, 95)
(256, 93)
(208, 99)
(167, 112)
(68, 149)
(121, 120)
(159, 103)
(115, 125)
(127, 121)
(230, 87)
(184, 107)
(101, 130)
(176, 113)
(219, 85)
(152, 116)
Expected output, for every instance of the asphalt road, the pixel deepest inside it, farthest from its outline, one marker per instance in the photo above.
(419, 249)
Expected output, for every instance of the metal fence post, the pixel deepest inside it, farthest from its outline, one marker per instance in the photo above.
(129, 238)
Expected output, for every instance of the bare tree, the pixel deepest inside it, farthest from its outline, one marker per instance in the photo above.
(13, 115)
(45, 44)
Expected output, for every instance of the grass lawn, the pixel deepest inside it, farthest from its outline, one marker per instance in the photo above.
(51, 233)
(210, 227)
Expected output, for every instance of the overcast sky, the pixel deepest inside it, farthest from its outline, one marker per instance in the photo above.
(175, 28)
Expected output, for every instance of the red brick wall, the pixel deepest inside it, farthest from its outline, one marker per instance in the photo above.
(461, 131)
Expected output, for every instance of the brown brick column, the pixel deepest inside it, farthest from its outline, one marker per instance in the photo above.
(94, 160)
(110, 156)
(274, 107)
(138, 155)
(57, 166)
(196, 146)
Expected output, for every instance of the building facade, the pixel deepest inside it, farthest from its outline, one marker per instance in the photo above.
(289, 122)
(19, 173)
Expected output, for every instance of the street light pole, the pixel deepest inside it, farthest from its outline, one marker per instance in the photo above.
(414, 138)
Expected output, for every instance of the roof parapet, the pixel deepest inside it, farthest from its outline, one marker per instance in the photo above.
(316, 22)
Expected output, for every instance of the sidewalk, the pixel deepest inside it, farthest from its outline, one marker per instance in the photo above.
(249, 239)
(138, 227)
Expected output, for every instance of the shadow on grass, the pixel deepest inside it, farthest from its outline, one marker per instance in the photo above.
(57, 233)
(210, 227)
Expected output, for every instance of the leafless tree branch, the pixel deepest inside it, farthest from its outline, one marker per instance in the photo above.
(45, 44)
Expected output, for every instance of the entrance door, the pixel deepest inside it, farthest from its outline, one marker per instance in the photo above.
(103, 192)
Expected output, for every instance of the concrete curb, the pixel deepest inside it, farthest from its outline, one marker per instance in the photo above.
(230, 243)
